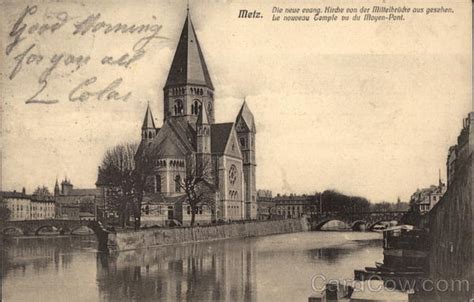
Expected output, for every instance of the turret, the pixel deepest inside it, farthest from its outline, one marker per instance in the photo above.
(245, 127)
(148, 128)
(66, 187)
(57, 191)
(203, 140)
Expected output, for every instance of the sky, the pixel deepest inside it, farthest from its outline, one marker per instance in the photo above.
(366, 108)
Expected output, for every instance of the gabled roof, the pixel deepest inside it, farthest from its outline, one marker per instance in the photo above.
(184, 131)
(247, 117)
(219, 137)
(148, 122)
(175, 130)
(188, 66)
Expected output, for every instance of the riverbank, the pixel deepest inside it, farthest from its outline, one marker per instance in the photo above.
(146, 238)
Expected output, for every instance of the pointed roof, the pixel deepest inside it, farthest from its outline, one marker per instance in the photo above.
(188, 65)
(148, 122)
(203, 118)
(246, 115)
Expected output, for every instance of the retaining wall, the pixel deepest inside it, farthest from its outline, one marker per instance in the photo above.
(451, 230)
(157, 236)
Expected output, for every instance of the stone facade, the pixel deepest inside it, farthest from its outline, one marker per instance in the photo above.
(27, 207)
(190, 143)
(286, 206)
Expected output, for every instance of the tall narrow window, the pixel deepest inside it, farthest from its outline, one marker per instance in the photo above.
(178, 107)
(196, 107)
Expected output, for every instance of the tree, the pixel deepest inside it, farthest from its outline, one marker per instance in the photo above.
(116, 173)
(333, 201)
(42, 192)
(126, 180)
(198, 186)
(382, 207)
(4, 214)
(143, 170)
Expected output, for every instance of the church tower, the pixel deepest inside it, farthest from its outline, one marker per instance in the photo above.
(148, 128)
(245, 127)
(188, 87)
(203, 141)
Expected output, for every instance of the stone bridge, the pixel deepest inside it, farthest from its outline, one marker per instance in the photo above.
(33, 227)
(357, 220)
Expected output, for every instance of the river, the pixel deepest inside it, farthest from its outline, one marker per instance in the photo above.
(272, 268)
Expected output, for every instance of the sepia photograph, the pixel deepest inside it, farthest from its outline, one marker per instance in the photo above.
(236, 150)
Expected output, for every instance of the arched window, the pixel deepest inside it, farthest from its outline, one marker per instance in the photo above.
(242, 141)
(178, 107)
(196, 107)
(177, 184)
(157, 183)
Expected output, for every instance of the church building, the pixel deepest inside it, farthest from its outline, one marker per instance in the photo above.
(189, 137)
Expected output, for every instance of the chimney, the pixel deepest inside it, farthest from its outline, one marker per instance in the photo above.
(23, 191)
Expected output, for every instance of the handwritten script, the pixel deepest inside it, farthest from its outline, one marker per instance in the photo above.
(29, 38)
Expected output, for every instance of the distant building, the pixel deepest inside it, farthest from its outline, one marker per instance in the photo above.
(76, 204)
(265, 204)
(285, 206)
(425, 199)
(28, 207)
(450, 164)
(294, 206)
(458, 153)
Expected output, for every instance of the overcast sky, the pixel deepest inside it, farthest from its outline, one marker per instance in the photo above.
(365, 108)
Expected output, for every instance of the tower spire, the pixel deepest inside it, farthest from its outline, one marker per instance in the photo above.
(148, 128)
(148, 122)
(188, 66)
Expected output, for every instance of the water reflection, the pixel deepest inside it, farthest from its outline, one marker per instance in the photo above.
(274, 268)
(223, 270)
(41, 253)
(335, 255)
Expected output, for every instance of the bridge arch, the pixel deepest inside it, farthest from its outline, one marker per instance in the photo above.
(320, 225)
(80, 227)
(359, 225)
(373, 224)
(44, 227)
(13, 228)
